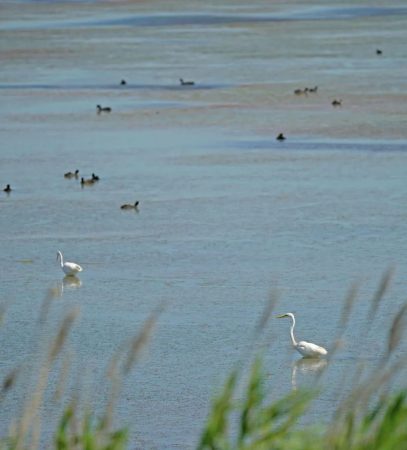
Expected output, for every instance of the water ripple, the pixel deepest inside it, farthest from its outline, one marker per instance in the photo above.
(210, 19)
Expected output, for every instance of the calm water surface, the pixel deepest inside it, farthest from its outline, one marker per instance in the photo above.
(227, 213)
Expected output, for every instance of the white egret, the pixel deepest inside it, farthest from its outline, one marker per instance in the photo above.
(69, 268)
(307, 349)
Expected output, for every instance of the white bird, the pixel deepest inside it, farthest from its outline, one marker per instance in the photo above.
(307, 349)
(69, 268)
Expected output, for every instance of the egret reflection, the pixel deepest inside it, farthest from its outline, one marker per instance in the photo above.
(71, 282)
(308, 367)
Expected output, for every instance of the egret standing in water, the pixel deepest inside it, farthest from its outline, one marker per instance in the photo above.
(69, 268)
(307, 349)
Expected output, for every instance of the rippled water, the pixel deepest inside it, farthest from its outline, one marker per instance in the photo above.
(226, 212)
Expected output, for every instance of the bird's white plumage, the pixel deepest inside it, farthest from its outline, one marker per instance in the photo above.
(307, 349)
(69, 268)
(311, 350)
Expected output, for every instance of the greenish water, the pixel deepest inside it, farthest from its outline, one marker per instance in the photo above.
(226, 212)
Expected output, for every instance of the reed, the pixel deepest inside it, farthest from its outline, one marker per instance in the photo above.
(77, 429)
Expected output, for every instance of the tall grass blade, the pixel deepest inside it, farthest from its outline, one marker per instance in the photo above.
(379, 294)
(396, 330)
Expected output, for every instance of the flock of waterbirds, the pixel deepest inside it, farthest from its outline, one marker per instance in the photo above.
(280, 137)
(107, 109)
(92, 180)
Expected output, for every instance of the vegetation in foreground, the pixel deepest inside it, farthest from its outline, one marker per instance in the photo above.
(273, 426)
(369, 418)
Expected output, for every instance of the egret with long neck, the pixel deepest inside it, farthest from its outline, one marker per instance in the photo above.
(307, 349)
(69, 268)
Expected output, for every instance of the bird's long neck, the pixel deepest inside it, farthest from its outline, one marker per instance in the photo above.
(292, 331)
(61, 258)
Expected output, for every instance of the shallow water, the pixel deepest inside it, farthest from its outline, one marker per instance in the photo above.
(227, 213)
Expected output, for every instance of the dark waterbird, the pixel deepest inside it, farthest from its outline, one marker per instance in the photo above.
(95, 177)
(7, 189)
(186, 83)
(336, 102)
(123, 83)
(87, 182)
(72, 174)
(306, 90)
(101, 109)
(281, 137)
(379, 52)
(301, 91)
(129, 206)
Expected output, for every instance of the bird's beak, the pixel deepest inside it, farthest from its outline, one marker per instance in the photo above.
(283, 315)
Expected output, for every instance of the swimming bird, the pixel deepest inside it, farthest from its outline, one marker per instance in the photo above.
(307, 349)
(336, 102)
(128, 206)
(123, 83)
(186, 83)
(378, 51)
(69, 268)
(301, 91)
(101, 109)
(314, 89)
(7, 189)
(95, 177)
(72, 174)
(88, 182)
(281, 137)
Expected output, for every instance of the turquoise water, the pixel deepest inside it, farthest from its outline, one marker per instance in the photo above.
(227, 214)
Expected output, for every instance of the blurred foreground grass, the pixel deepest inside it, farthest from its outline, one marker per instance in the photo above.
(273, 426)
(372, 416)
